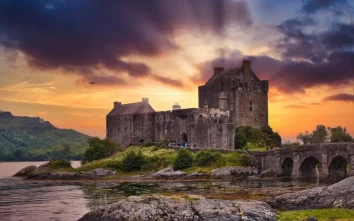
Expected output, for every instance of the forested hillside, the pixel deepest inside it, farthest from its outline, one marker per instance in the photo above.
(32, 138)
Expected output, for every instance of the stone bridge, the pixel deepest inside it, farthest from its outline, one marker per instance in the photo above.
(306, 161)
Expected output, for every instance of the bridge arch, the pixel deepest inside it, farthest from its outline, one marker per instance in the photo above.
(310, 167)
(338, 167)
(287, 167)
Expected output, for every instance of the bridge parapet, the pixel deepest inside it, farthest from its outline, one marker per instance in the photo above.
(308, 160)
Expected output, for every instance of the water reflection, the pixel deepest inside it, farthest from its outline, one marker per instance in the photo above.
(48, 200)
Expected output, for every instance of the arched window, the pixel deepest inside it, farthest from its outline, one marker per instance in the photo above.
(251, 106)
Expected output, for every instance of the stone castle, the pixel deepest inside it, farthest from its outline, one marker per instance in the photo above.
(231, 98)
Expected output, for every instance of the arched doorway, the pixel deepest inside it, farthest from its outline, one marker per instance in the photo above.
(338, 168)
(141, 141)
(310, 168)
(184, 138)
(287, 167)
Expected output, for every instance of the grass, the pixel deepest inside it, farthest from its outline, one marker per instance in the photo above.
(157, 158)
(256, 149)
(320, 214)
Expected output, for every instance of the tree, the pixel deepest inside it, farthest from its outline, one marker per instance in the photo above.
(99, 149)
(339, 134)
(133, 161)
(184, 159)
(320, 134)
(248, 136)
(306, 137)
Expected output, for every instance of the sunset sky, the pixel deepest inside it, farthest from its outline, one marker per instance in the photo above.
(164, 49)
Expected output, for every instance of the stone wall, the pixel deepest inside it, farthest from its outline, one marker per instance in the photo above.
(128, 129)
(206, 128)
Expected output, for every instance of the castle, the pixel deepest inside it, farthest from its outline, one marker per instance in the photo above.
(231, 98)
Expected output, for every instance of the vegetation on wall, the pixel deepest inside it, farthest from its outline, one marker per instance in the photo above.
(323, 134)
(247, 137)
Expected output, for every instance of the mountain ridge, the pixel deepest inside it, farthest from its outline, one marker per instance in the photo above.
(26, 138)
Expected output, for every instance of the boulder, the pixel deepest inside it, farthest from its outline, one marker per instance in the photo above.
(44, 166)
(168, 173)
(26, 171)
(190, 208)
(233, 172)
(339, 195)
(101, 172)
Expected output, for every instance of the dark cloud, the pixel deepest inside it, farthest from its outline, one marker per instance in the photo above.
(340, 97)
(168, 81)
(102, 34)
(286, 75)
(312, 6)
(314, 51)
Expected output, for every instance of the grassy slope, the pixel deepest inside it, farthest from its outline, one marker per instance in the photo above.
(320, 214)
(37, 136)
(165, 158)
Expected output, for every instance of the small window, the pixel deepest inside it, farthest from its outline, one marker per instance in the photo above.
(251, 106)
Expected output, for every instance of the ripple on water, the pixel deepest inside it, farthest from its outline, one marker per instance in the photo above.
(48, 200)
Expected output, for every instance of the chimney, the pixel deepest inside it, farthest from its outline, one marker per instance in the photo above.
(117, 104)
(246, 64)
(218, 70)
(145, 100)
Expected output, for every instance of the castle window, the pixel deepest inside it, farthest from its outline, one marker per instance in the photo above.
(251, 106)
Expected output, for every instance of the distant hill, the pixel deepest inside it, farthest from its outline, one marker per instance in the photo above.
(32, 138)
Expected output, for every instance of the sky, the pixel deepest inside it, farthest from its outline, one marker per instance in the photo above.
(164, 49)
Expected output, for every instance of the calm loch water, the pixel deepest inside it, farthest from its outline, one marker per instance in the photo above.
(49, 200)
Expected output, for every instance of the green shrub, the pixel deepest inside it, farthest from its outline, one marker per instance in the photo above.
(133, 161)
(147, 144)
(156, 162)
(245, 160)
(57, 164)
(206, 158)
(257, 137)
(116, 164)
(234, 159)
(99, 149)
(184, 159)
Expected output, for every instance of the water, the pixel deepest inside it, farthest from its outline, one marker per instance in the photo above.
(10, 168)
(63, 200)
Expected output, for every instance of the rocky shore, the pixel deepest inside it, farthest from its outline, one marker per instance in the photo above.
(45, 173)
(189, 208)
(338, 195)
(157, 207)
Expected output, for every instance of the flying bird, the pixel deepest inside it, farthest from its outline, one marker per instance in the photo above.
(91, 82)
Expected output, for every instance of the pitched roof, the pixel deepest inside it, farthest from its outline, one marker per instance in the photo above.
(132, 108)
